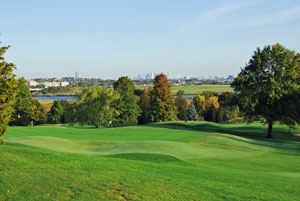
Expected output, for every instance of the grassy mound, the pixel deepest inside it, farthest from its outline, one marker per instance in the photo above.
(166, 161)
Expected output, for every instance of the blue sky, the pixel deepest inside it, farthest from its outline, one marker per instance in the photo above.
(109, 39)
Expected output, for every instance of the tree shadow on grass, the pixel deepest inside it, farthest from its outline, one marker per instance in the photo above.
(247, 131)
(282, 140)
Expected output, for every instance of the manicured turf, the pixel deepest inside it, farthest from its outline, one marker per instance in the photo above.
(194, 89)
(163, 161)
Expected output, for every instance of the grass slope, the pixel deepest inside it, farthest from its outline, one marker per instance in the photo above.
(165, 161)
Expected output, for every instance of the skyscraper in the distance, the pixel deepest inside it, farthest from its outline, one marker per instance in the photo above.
(76, 75)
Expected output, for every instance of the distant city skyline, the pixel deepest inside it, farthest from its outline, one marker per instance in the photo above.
(109, 39)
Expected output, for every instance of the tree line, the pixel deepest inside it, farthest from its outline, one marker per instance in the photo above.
(267, 89)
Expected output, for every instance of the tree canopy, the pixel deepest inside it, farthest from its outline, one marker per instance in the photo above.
(23, 104)
(181, 104)
(162, 100)
(95, 106)
(8, 86)
(268, 87)
(126, 105)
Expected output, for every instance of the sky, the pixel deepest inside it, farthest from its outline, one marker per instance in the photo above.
(108, 39)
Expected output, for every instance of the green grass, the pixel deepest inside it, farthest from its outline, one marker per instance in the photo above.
(163, 161)
(194, 89)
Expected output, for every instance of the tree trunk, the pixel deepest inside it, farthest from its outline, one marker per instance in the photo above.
(270, 126)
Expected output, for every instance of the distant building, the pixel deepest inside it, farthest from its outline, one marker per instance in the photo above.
(186, 78)
(76, 75)
(56, 84)
(32, 83)
(230, 78)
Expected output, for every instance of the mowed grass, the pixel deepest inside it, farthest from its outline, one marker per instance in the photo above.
(195, 89)
(163, 161)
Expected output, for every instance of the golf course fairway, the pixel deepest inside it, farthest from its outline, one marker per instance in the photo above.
(159, 161)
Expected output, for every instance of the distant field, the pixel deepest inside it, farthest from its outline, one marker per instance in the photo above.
(194, 89)
(163, 161)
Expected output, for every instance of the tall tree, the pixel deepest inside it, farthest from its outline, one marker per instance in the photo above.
(56, 113)
(144, 103)
(199, 103)
(181, 104)
(95, 106)
(8, 85)
(269, 86)
(36, 114)
(162, 100)
(23, 104)
(211, 108)
(126, 105)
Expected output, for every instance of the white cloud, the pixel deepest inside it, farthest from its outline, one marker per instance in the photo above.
(215, 15)
(278, 17)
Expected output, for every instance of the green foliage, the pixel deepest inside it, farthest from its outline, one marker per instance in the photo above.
(8, 91)
(144, 103)
(69, 111)
(162, 101)
(126, 105)
(199, 103)
(37, 113)
(23, 105)
(192, 113)
(95, 106)
(56, 113)
(268, 87)
(181, 104)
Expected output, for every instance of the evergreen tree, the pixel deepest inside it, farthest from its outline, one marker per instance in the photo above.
(181, 104)
(162, 100)
(126, 105)
(192, 113)
(23, 104)
(8, 86)
(56, 112)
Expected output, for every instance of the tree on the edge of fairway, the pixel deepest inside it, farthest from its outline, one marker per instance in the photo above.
(192, 113)
(56, 112)
(181, 104)
(162, 100)
(95, 106)
(8, 86)
(36, 114)
(269, 85)
(126, 105)
(23, 104)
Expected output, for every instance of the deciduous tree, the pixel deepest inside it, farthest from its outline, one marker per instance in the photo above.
(269, 85)
(23, 104)
(95, 106)
(181, 104)
(56, 112)
(126, 105)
